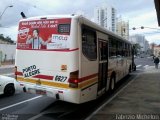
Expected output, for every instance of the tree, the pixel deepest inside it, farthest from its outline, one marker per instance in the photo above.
(2, 36)
(6, 39)
(137, 48)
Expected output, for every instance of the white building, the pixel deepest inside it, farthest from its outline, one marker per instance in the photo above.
(140, 39)
(105, 16)
(122, 28)
(7, 52)
(156, 51)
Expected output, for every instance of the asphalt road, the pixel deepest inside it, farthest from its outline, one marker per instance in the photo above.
(143, 63)
(32, 107)
(7, 71)
(23, 106)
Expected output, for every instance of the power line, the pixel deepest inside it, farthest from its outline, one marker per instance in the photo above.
(32, 5)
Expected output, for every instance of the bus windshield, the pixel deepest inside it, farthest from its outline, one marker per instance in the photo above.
(44, 34)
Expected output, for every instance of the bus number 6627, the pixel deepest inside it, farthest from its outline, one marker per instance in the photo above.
(60, 78)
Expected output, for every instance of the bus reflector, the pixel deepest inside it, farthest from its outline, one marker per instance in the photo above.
(60, 91)
(21, 84)
(73, 80)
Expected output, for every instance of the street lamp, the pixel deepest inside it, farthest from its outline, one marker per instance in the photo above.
(142, 27)
(5, 10)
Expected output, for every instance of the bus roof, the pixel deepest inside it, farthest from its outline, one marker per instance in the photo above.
(50, 17)
(83, 21)
(100, 28)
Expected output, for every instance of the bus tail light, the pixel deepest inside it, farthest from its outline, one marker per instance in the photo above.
(73, 80)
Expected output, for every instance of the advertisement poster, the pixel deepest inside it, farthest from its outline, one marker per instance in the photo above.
(44, 34)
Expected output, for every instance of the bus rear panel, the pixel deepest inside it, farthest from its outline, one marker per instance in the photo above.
(47, 58)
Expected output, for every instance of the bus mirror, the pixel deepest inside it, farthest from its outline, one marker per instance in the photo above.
(23, 15)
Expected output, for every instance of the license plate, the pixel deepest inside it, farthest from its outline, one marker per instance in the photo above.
(41, 92)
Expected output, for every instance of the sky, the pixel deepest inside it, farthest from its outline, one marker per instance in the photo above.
(137, 12)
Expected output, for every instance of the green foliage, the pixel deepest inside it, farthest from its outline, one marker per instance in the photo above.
(137, 48)
(1, 36)
(6, 39)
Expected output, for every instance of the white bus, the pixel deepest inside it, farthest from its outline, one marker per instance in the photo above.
(70, 58)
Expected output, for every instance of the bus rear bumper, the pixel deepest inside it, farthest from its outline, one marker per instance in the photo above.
(68, 95)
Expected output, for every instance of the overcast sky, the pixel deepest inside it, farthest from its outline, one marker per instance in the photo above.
(137, 12)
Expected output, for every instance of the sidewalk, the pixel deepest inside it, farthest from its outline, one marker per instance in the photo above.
(139, 100)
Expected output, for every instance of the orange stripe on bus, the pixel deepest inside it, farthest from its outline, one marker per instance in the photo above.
(88, 82)
(26, 80)
(60, 85)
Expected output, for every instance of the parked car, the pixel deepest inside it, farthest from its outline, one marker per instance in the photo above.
(8, 86)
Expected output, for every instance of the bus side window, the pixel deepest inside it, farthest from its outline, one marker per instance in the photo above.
(89, 44)
(112, 48)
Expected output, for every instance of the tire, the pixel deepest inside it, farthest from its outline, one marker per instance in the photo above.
(9, 90)
(134, 67)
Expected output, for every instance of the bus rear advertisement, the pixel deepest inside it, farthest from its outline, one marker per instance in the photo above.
(44, 34)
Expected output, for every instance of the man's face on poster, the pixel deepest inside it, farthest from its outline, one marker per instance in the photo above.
(35, 33)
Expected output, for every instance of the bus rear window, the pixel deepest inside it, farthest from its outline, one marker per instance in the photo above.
(64, 28)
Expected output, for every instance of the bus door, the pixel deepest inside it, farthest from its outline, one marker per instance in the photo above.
(103, 66)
